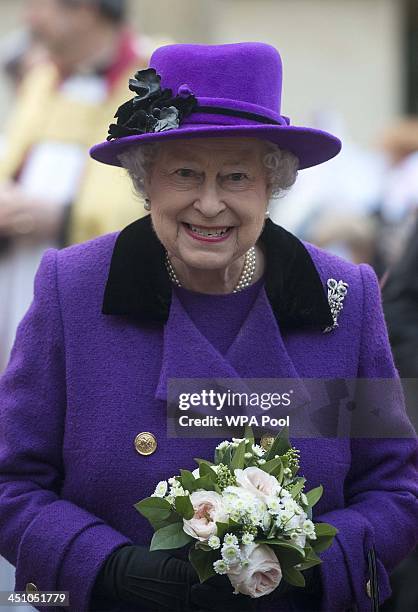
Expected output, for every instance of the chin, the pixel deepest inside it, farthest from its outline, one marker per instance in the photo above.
(207, 261)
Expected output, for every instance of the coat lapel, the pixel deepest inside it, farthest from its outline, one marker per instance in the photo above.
(258, 352)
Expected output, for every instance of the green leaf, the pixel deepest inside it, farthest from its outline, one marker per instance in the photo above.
(311, 560)
(293, 576)
(206, 470)
(154, 508)
(248, 433)
(297, 488)
(238, 458)
(280, 445)
(325, 529)
(322, 544)
(227, 456)
(200, 461)
(206, 483)
(171, 536)
(184, 506)
(188, 481)
(274, 467)
(222, 528)
(157, 524)
(314, 495)
(287, 553)
(203, 546)
(203, 561)
(325, 536)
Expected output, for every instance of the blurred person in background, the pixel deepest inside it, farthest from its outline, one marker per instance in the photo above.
(69, 64)
(332, 206)
(400, 303)
(396, 211)
(70, 71)
(50, 195)
(19, 52)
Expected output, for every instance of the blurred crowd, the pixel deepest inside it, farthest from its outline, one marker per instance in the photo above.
(68, 65)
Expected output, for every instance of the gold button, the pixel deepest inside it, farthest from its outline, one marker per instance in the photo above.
(31, 587)
(266, 441)
(145, 443)
(368, 589)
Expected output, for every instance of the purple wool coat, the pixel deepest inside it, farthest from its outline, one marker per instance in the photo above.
(89, 371)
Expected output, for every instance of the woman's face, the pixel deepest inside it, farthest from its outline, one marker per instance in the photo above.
(208, 199)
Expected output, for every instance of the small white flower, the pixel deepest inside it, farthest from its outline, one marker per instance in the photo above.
(304, 499)
(309, 528)
(177, 491)
(298, 538)
(290, 504)
(231, 553)
(248, 455)
(172, 481)
(274, 504)
(223, 445)
(284, 493)
(285, 516)
(261, 461)
(220, 566)
(257, 450)
(214, 542)
(230, 538)
(160, 489)
(287, 472)
(247, 538)
(266, 523)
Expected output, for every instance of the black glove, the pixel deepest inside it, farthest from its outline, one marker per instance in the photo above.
(217, 593)
(153, 580)
(312, 591)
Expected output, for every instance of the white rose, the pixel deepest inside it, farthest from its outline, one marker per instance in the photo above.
(258, 482)
(260, 575)
(208, 510)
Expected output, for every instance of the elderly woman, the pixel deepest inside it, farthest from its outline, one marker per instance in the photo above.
(203, 287)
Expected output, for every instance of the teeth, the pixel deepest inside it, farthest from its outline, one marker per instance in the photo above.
(208, 233)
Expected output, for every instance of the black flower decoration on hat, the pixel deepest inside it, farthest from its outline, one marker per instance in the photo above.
(153, 109)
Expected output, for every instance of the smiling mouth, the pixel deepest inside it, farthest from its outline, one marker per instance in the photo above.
(209, 232)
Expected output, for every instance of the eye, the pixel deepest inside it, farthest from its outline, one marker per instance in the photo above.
(236, 177)
(185, 172)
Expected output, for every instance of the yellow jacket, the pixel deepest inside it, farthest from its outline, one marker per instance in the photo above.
(105, 201)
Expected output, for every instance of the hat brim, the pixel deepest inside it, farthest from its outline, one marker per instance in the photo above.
(311, 146)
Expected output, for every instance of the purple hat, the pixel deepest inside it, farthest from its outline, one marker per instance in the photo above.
(192, 91)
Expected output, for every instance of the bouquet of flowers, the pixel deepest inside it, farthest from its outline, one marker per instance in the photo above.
(246, 515)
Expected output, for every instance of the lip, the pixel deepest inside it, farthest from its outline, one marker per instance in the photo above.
(206, 227)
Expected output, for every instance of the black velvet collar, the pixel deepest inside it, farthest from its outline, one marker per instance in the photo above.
(138, 284)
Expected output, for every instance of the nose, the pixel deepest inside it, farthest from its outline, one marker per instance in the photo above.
(209, 201)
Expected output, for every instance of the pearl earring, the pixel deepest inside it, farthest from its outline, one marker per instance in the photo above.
(267, 214)
(147, 204)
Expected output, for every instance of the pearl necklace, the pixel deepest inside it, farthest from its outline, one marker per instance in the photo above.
(243, 281)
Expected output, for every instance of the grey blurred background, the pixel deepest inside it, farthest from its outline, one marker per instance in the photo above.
(341, 55)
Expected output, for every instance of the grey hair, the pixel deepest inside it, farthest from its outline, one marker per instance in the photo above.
(281, 165)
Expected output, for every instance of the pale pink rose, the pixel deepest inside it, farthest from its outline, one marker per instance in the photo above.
(262, 574)
(258, 482)
(208, 510)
